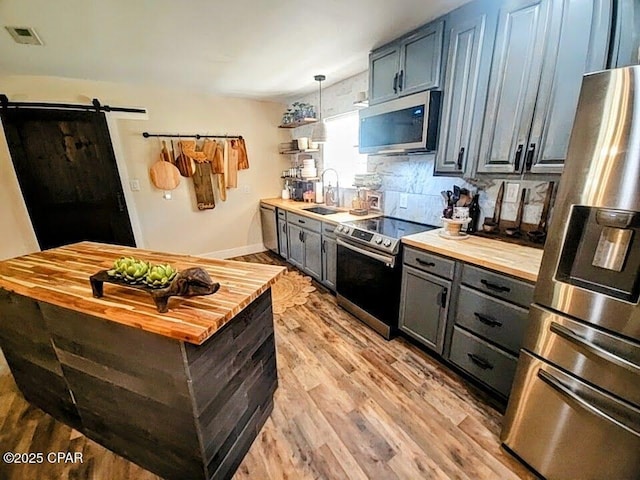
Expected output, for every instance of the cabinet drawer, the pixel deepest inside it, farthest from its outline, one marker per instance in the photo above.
(485, 362)
(282, 214)
(427, 262)
(498, 285)
(495, 320)
(328, 230)
(304, 222)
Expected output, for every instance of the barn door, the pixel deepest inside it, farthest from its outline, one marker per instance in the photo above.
(67, 172)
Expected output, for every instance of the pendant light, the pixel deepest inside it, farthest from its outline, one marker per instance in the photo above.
(319, 134)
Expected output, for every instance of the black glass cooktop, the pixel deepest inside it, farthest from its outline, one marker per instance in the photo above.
(390, 227)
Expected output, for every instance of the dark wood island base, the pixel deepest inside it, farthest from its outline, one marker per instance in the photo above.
(178, 409)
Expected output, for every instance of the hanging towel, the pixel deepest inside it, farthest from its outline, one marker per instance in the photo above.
(209, 149)
(232, 169)
(243, 160)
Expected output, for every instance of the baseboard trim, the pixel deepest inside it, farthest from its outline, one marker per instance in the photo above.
(236, 252)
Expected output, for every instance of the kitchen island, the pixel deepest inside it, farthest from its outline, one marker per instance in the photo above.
(183, 394)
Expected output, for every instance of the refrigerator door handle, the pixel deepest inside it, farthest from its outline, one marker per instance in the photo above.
(601, 352)
(566, 392)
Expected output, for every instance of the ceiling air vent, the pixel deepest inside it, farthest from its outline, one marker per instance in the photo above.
(24, 35)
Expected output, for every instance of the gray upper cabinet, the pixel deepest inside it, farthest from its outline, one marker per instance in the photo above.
(625, 44)
(542, 50)
(409, 65)
(384, 65)
(469, 37)
(581, 28)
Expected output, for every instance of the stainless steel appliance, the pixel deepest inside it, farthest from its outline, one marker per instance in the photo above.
(269, 227)
(369, 269)
(574, 410)
(408, 124)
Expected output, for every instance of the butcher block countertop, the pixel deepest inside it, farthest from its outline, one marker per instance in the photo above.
(517, 260)
(298, 207)
(60, 276)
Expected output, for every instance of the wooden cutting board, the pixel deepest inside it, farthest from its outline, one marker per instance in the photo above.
(203, 186)
(164, 175)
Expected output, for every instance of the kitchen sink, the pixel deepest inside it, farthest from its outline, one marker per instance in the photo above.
(321, 210)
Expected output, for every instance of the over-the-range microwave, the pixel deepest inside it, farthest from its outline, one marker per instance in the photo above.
(408, 124)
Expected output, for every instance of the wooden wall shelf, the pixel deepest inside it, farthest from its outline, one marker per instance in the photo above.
(299, 123)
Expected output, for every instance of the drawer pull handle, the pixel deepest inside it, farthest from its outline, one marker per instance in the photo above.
(479, 361)
(589, 407)
(425, 263)
(328, 230)
(301, 221)
(582, 342)
(487, 320)
(494, 287)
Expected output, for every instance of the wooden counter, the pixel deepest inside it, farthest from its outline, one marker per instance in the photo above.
(182, 394)
(299, 208)
(517, 260)
(61, 277)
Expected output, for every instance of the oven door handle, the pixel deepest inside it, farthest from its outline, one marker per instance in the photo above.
(388, 260)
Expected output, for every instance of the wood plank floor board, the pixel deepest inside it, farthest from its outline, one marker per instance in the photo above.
(349, 405)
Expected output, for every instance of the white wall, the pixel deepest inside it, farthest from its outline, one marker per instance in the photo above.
(176, 225)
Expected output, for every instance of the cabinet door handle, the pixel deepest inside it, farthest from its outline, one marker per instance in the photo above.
(460, 158)
(284, 228)
(300, 236)
(395, 83)
(479, 361)
(425, 263)
(494, 287)
(323, 246)
(442, 300)
(487, 320)
(518, 157)
(400, 80)
(529, 160)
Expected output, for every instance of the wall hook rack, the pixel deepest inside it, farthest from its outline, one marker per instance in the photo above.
(197, 136)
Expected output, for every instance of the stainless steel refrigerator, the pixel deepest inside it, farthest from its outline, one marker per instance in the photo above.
(574, 409)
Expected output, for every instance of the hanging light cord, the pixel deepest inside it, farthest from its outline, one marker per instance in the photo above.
(319, 79)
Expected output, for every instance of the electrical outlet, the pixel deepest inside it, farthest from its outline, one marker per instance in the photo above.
(246, 188)
(134, 185)
(404, 200)
(511, 193)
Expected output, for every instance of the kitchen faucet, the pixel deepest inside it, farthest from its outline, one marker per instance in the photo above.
(337, 196)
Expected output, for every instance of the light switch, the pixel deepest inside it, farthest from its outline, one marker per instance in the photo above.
(511, 193)
(134, 185)
(404, 200)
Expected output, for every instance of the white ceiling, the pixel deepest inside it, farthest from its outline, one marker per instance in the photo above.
(268, 49)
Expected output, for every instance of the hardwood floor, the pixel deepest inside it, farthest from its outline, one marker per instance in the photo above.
(349, 405)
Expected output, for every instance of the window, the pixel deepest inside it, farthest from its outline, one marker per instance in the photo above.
(341, 149)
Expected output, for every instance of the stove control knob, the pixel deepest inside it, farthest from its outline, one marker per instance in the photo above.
(387, 243)
(342, 228)
(378, 240)
(347, 230)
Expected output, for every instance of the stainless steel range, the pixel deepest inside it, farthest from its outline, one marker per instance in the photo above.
(369, 269)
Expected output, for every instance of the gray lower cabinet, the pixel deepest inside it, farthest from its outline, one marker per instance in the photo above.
(296, 246)
(542, 50)
(329, 256)
(489, 364)
(283, 240)
(305, 250)
(489, 325)
(424, 304)
(469, 37)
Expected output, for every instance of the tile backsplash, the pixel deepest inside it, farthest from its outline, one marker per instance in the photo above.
(413, 175)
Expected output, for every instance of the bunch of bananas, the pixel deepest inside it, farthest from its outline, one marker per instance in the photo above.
(135, 271)
(160, 276)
